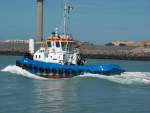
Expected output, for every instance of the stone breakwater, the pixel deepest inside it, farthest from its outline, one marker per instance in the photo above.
(115, 52)
(87, 50)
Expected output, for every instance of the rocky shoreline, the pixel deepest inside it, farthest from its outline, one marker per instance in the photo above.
(115, 52)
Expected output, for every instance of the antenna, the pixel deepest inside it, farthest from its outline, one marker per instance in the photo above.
(67, 10)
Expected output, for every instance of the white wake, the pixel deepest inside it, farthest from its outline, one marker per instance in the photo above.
(142, 78)
(124, 78)
(19, 71)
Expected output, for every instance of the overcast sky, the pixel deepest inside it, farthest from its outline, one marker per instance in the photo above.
(96, 21)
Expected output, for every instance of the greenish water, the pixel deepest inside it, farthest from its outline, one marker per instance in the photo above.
(22, 92)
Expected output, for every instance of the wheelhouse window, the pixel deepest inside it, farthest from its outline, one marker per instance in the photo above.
(70, 44)
(49, 44)
(63, 44)
(57, 44)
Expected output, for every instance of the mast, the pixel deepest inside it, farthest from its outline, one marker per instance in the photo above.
(67, 9)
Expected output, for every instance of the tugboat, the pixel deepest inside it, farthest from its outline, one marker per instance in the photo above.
(60, 58)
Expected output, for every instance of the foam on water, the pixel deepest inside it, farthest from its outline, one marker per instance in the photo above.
(19, 71)
(142, 78)
(124, 78)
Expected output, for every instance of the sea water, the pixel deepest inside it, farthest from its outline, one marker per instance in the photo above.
(23, 92)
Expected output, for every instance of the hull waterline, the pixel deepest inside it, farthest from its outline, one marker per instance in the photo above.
(57, 71)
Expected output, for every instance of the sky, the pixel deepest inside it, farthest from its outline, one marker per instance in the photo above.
(95, 21)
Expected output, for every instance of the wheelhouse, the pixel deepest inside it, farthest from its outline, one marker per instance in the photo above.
(63, 43)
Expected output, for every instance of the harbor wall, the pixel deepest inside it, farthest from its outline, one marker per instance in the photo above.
(87, 50)
(115, 52)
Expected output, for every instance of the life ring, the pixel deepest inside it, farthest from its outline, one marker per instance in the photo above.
(53, 71)
(70, 72)
(47, 70)
(63, 73)
(60, 71)
(41, 70)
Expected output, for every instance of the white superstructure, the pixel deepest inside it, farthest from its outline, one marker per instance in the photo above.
(59, 50)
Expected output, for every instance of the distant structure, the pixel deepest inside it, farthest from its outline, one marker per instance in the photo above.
(129, 43)
(40, 20)
(17, 41)
(123, 43)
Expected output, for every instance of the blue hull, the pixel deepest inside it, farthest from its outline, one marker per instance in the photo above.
(52, 70)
